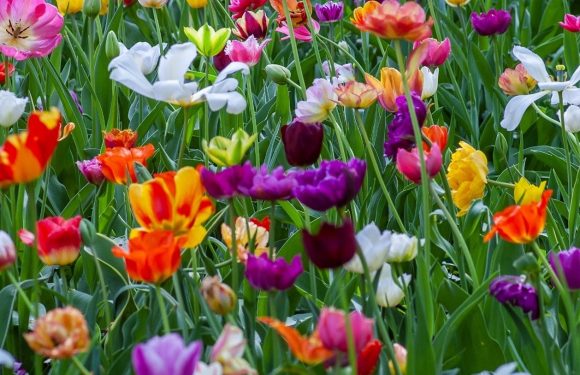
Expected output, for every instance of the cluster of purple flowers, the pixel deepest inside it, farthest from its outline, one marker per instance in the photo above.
(400, 130)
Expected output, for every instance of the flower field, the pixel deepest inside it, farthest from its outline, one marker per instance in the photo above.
(238, 187)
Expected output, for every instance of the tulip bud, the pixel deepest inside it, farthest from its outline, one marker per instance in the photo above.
(226, 152)
(12, 108)
(278, 74)
(572, 119)
(500, 152)
(403, 248)
(91, 8)
(7, 251)
(196, 4)
(220, 298)
(400, 357)
(112, 49)
(298, 152)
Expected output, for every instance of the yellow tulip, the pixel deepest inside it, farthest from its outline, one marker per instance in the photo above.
(197, 3)
(457, 3)
(75, 6)
(525, 192)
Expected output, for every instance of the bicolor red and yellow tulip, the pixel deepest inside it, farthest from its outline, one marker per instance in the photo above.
(173, 201)
(24, 156)
(118, 162)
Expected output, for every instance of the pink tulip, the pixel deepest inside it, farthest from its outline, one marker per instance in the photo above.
(437, 52)
(30, 28)
(301, 33)
(248, 52)
(409, 165)
(571, 23)
(332, 330)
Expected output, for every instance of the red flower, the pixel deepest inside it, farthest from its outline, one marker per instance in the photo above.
(368, 358)
(6, 70)
(238, 7)
(264, 223)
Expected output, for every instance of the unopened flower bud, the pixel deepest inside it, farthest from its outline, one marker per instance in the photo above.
(112, 49)
(220, 298)
(7, 251)
(278, 74)
(92, 8)
(400, 357)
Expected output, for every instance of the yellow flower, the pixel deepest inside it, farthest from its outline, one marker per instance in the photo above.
(525, 193)
(248, 235)
(467, 176)
(75, 6)
(228, 151)
(209, 42)
(197, 3)
(457, 3)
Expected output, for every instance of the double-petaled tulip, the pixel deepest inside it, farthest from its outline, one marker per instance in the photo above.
(12, 108)
(220, 298)
(565, 264)
(249, 236)
(467, 176)
(209, 42)
(267, 274)
(300, 153)
(173, 201)
(269, 186)
(514, 290)
(391, 20)
(521, 224)
(166, 354)
(151, 257)
(92, 170)
(239, 7)
(25, 155)
(7, 251)
(120, 138)
(437, 52)
(516, 81)
(60, 334)
(525, 192)
(332, 330)
(493, 22)
(320, 101)
(332, 246)
(571, 23)
(252, 23)
(226, 152)
(409, 164)
(118, 162)
(229, 350)
(6, 71)
(353, 94)
(248, 52)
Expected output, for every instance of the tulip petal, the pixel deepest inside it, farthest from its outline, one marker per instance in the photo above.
(533, 63)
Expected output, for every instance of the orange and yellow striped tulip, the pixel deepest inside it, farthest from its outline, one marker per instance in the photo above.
(173, 201)
(118, 161)
(24, 156)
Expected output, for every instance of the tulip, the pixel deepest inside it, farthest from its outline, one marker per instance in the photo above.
(92, 170)
(368, 358)
(332, 246)
(59, 240)
(571, 23)
(220, 298)
(330, 11)
(520, 224)
(360, 13)
(299, 153)
(209, 42)
(60, 334)
(196, 4)
(151, 257)
(267, 274)
(69, 6)
(226, 183)
(436, 134)
(390, 87)
(239, 7)
(247, 52)
(168, 353)
(374, 246)
(264, 223)
(278, 74)
(389, 293)
(301, 33)
(437, 52)
(120, 138)
(525, 193)
(513, 290)
(457, 3)
(333, 332)
(403, 248)
(297, 9)
(356, 94)
(118, 162)
(565, 264)
(320, 101)
(173, 201)
(494, 22)
(430, 82)
(252, 23)
(221, 60)
(226, 152)
(248, 236)
(400, 357)
(158, 4)
(7, 251)
(400, 130)
(342, 73)
(6, 71)
(228, 351)
(572, 119)
(12, 108)
(516, 81)
(409, 165)
(269, 186)
(91, 8)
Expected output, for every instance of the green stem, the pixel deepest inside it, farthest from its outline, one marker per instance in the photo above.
(104, 290)
(272, 234)
(544, 116)
(162, 309)
(501, 184)
(181, 305)
(234, 249)
(182, 146)
(565, 142)
(20, 291)
(250, 99)
(206, 109)
(294, 47)
(349, 331)
(158, 31)
(82, 369)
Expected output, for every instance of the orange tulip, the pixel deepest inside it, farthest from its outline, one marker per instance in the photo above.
(356, 94)
(117, 161)
(296, 10)
(120, 138)
(520, 224)
(152, 257)
(390, 87)
(436, 134)
(306, 349)
(391, 20)
(173, 201)
(24, 156)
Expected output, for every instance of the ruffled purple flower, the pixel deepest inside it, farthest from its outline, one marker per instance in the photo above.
(494, 22)
(277, 185)
(302, 142)
(400, 130)
(92, 169)
(566, 265)
(332, 246)
(227, 183)
(334, 184)
(266, 274)
(331, 11)
(514, 291)
(166, 355)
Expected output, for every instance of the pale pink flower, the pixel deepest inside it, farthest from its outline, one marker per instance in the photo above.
(301, 33)
(228, 351)
(320, 100)
(29, 28)
(248, 52)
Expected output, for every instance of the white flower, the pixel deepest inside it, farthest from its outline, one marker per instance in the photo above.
(343, 73)
(517, 106)
(131, 66)
(430, 82)
(6, 359)
(12, 108)
(507, 369)
(212, 369)
(572, 119)
(320, 100)
(374, 246)
(389, 294)
(403, 248)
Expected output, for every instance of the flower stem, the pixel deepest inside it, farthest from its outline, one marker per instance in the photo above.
(565, 142)
(272, 234)
(501, 184)
(182, 146)
(250, 99)
(294, 47)
(20, 291)
(158, 30)
(234, 249)
(349, 330)
(161, 303)
(78, 364)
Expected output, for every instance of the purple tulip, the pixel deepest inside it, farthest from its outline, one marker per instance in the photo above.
(334, 184)
(566, 265)
(513, 290)
(330, 11)
(166, 355)
(302, 142)
(266, 274)
(332, 246)
(494, 22)
(92, 170)
(400, 130)
(227, 183)
(269, 186)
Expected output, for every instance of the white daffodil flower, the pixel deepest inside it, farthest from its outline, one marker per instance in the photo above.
(517, 106)
(374, 246)
(389, 294)
(430, 82)
(131, 67)
(12, 108)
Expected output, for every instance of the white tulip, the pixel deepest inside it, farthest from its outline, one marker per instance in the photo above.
(572, 119)
(389, 294)
(131, 66)
(7, 250)
(374, 246)
(403, 248)
(12, 108)
(430, 82)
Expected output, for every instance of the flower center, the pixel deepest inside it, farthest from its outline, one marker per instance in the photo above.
(16, 30)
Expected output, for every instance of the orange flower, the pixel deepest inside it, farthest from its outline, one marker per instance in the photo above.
(520, 224)
(356, 94)
(296, 10)
(173, 201)
(391, 20)
(306, 349)
(66, 131)
(25, 155)
(436, 134)
(118, 161)
(360, 13)
(152, 257)
(120, 138)
(390, 87)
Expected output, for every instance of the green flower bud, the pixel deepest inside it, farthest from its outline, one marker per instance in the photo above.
(278, 74)
(112, 45)
(92, 8)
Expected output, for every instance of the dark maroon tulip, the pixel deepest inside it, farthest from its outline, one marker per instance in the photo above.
(266, 274)
(494, 22)
(227, 183)
(566, 264)
(221, 60)
(512, 290)
(332, 246)
(302, 142)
